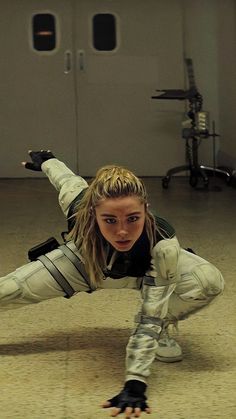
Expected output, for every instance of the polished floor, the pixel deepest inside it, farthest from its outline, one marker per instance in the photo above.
(60, 359)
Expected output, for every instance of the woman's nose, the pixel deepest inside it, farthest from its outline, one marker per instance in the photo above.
(122, 231)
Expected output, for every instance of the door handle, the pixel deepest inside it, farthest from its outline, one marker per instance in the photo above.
(81, 59)
(67, 62)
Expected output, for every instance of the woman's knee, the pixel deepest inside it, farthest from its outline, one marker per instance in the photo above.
(209, 279)
(202, 282)
(195, 291)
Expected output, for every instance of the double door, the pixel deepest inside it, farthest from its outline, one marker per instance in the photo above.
(77, 77)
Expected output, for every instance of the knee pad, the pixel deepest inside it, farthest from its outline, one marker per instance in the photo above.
(209, 279)
(197, 289)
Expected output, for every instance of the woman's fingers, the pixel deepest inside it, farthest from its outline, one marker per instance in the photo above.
(115, 411)
(137, 412)
(106, 404)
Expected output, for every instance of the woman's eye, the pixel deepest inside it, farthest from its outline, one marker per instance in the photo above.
(133, 218)
(110, 220)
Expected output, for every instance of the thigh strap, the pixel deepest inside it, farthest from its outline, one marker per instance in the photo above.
(57, 275)
(77, 263)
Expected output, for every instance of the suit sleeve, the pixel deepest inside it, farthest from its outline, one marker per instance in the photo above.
(158, 285)
(68, 184)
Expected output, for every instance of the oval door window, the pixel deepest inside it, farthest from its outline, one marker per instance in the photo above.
(104, 32)
(44, 32)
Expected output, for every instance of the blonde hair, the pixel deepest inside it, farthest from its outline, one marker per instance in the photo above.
(110, 182)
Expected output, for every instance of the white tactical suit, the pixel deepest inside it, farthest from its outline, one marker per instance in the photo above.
(180, 283)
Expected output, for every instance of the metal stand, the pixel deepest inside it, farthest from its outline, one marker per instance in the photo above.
(197, 170)
(193, 135)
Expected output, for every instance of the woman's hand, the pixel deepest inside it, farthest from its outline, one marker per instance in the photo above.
(37, 157)
(131, 400)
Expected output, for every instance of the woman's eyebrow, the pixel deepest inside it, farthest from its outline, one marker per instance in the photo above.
(108, 215)
(128, 215)
(134, 213)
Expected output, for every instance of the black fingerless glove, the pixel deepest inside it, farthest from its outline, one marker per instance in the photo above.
(132, 395)
(38, 157)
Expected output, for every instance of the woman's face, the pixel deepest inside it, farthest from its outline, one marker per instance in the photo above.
(121, 221)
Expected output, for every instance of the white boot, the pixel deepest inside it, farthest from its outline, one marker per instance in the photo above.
(168, 349)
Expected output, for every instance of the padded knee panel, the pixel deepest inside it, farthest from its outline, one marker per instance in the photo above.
(209, 278)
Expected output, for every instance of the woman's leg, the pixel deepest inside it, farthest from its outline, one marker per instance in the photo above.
(33, 282)
(200, 282)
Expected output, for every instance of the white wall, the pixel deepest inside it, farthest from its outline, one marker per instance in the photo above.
(200, 44)
(227, 81)
(210, 40)
(208, 28)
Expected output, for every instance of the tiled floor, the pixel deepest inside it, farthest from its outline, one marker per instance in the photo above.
(60, 359)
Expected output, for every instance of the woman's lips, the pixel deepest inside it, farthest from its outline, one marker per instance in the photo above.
(123, 242)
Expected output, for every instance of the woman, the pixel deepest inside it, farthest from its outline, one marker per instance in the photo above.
(116, 242)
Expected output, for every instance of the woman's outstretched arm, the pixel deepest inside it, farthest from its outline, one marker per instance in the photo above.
(68, 184)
